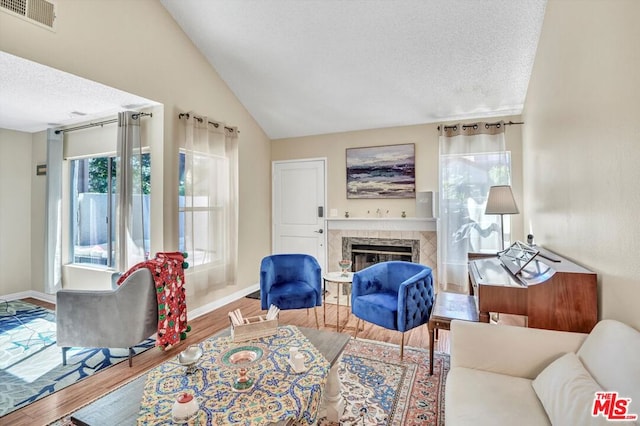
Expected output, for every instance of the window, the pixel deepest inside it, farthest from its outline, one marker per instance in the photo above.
(465, 180)
(93, 189)
(201, 214)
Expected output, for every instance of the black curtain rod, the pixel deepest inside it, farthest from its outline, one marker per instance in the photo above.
(102, 123)
(487, 125)
(186, 114)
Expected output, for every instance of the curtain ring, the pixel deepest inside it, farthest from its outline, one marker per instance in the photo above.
(486, 125)
(475, 127)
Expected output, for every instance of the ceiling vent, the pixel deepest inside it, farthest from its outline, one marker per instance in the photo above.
(40, 12)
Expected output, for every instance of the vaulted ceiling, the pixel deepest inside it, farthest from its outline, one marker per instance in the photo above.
(304, 67)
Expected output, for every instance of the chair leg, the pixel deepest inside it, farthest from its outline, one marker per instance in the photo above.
(64, 356)
(355, 336)
(315, 311)
(131, 352)
(402, 347)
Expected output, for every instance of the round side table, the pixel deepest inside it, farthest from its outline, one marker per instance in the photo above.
(340, 280)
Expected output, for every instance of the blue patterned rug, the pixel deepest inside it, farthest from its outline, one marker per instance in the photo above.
(31, 362)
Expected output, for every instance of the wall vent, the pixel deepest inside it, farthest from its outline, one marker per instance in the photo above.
(41, 12)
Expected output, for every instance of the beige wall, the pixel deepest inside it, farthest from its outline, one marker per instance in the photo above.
(15, 211)
(137, 47)
(582, 144)
(425, 138)
(38, 196)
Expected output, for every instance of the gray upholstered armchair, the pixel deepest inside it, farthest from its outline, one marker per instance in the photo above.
(119, 318)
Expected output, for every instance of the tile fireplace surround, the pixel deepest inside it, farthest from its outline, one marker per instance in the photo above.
(419, 232)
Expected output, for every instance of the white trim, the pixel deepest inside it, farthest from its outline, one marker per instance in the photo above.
(221, 302)
(382, 224)
(202, 310)
(51, 298)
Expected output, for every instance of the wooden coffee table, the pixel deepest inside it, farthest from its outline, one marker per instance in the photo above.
(121, 406)
(447, 307)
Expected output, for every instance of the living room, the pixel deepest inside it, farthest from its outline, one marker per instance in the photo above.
(573, 158)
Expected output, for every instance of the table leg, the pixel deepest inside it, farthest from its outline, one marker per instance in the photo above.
(431, 343)
(338, 307)
(333, 402)
(324, 302)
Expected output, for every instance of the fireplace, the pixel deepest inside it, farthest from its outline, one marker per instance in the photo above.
(418, 233)
(365, 252)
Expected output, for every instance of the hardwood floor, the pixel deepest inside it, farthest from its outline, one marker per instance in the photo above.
(71, 398)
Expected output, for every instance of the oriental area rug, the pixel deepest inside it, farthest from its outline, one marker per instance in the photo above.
(379, 389)
(31, 362)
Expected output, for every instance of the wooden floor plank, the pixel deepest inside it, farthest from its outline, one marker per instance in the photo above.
(72, 397)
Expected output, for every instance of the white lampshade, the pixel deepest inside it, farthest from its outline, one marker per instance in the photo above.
(501, 201)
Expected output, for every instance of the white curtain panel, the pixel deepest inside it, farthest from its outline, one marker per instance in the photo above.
(53, 224)
(130, 239)
(210, 202)
(472, 159)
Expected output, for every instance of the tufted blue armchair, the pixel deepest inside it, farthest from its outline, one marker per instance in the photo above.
(395, 295)
(290, 281)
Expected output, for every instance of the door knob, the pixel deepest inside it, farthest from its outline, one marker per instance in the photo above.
(319, 231)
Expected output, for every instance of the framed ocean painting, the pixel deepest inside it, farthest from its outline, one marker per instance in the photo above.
(381, 172)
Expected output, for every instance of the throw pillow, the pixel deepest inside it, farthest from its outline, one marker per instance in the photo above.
(566, 390)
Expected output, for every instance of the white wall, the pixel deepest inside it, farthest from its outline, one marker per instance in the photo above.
(136, 46)
(582, 145)
(16, 173)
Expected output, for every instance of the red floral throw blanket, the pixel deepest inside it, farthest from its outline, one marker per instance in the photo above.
(167, 269)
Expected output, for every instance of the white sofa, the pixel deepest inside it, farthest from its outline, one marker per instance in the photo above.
(505, 375)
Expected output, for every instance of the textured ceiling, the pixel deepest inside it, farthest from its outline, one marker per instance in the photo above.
(323, 66)
(35, 97)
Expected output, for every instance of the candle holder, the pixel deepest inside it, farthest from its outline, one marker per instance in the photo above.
(345, 267)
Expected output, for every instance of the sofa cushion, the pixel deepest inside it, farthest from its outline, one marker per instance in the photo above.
(475, 397)
(566, 391)
(610, 355)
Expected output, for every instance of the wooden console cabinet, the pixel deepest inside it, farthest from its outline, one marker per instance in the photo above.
(553, 292)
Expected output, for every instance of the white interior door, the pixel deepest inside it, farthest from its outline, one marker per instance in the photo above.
(299, 208)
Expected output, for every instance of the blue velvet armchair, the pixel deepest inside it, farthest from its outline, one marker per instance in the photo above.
(395, 295)
(291, 281)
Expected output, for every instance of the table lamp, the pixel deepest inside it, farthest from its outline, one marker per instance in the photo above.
(500, 201)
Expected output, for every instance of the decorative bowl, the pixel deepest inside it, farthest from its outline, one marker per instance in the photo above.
(189, 357)
(242, 356)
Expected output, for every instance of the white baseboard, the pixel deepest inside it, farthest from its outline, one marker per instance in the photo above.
(51, 298)
(219, 303)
